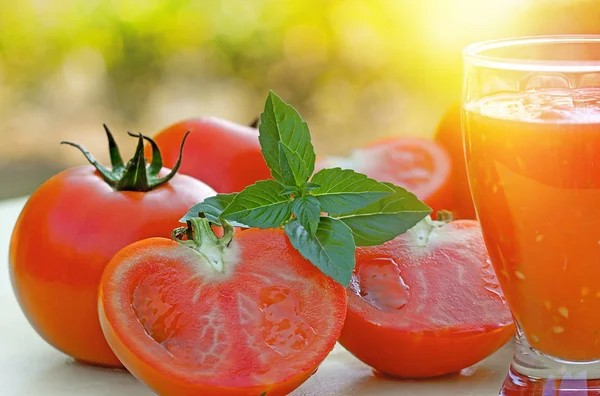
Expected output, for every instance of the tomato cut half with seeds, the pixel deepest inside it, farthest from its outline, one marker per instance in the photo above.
(427, 303)
(252, 317)
(421, 166)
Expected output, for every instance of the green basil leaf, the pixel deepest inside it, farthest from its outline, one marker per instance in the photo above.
(212, 208)
(289, 190)
(331, 249)
(307, 210)
(260, 205)
(293, 169)
(344, 190)
(281, 124)
(385, 219)
(309, 186)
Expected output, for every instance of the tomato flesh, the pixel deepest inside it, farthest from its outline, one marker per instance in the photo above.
(426, 303)
(419, 165)
(180, 327)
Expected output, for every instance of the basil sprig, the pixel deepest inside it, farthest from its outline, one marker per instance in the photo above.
(325, 215)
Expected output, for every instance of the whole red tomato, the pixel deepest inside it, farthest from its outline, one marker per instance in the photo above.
(242, 315)
(426, 303)
(69, 230)
(449, 135)
(223, 154)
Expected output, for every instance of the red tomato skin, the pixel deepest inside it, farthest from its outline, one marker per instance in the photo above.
(406, 355)
(223, 154)
(64, 237)
(414, 354)
(266, 245)
(449, 135)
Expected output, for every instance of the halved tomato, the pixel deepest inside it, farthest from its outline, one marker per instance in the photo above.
(421, 166)
(240, 318)
(427, 303)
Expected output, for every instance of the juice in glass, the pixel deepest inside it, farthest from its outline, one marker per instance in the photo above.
(531, 127)
(533, 159)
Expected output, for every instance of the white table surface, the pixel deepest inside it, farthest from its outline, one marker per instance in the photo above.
(30, 367)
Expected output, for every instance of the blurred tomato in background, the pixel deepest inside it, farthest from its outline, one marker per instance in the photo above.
(359, 71)
(448, 135)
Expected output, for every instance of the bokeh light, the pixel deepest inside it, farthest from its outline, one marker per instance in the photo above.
(356, 70)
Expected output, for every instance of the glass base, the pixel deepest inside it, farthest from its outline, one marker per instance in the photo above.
(534, 374)
(517, 384)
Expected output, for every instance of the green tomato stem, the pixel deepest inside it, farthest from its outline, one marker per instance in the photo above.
(201, 238)
(135, 176)
(444, 216)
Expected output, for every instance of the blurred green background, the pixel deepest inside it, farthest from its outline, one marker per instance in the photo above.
(356, 70)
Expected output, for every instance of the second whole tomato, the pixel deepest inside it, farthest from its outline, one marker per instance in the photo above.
(221, 153)
(427, 303)
(449, 135)
(71, 227)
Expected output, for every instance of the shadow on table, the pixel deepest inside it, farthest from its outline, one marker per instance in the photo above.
(64, 376)
(346, 375)
(475, 380)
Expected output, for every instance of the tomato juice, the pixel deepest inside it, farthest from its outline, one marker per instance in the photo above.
(534, 168)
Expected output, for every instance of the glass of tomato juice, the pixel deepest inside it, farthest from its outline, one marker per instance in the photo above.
(531, 127)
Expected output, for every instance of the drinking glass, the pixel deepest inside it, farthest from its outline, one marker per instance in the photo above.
(531, 128)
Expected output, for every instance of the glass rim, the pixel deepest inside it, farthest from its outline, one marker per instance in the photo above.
(472, 54)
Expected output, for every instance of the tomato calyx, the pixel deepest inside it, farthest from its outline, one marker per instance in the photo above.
(199, 236)
(135, 175)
